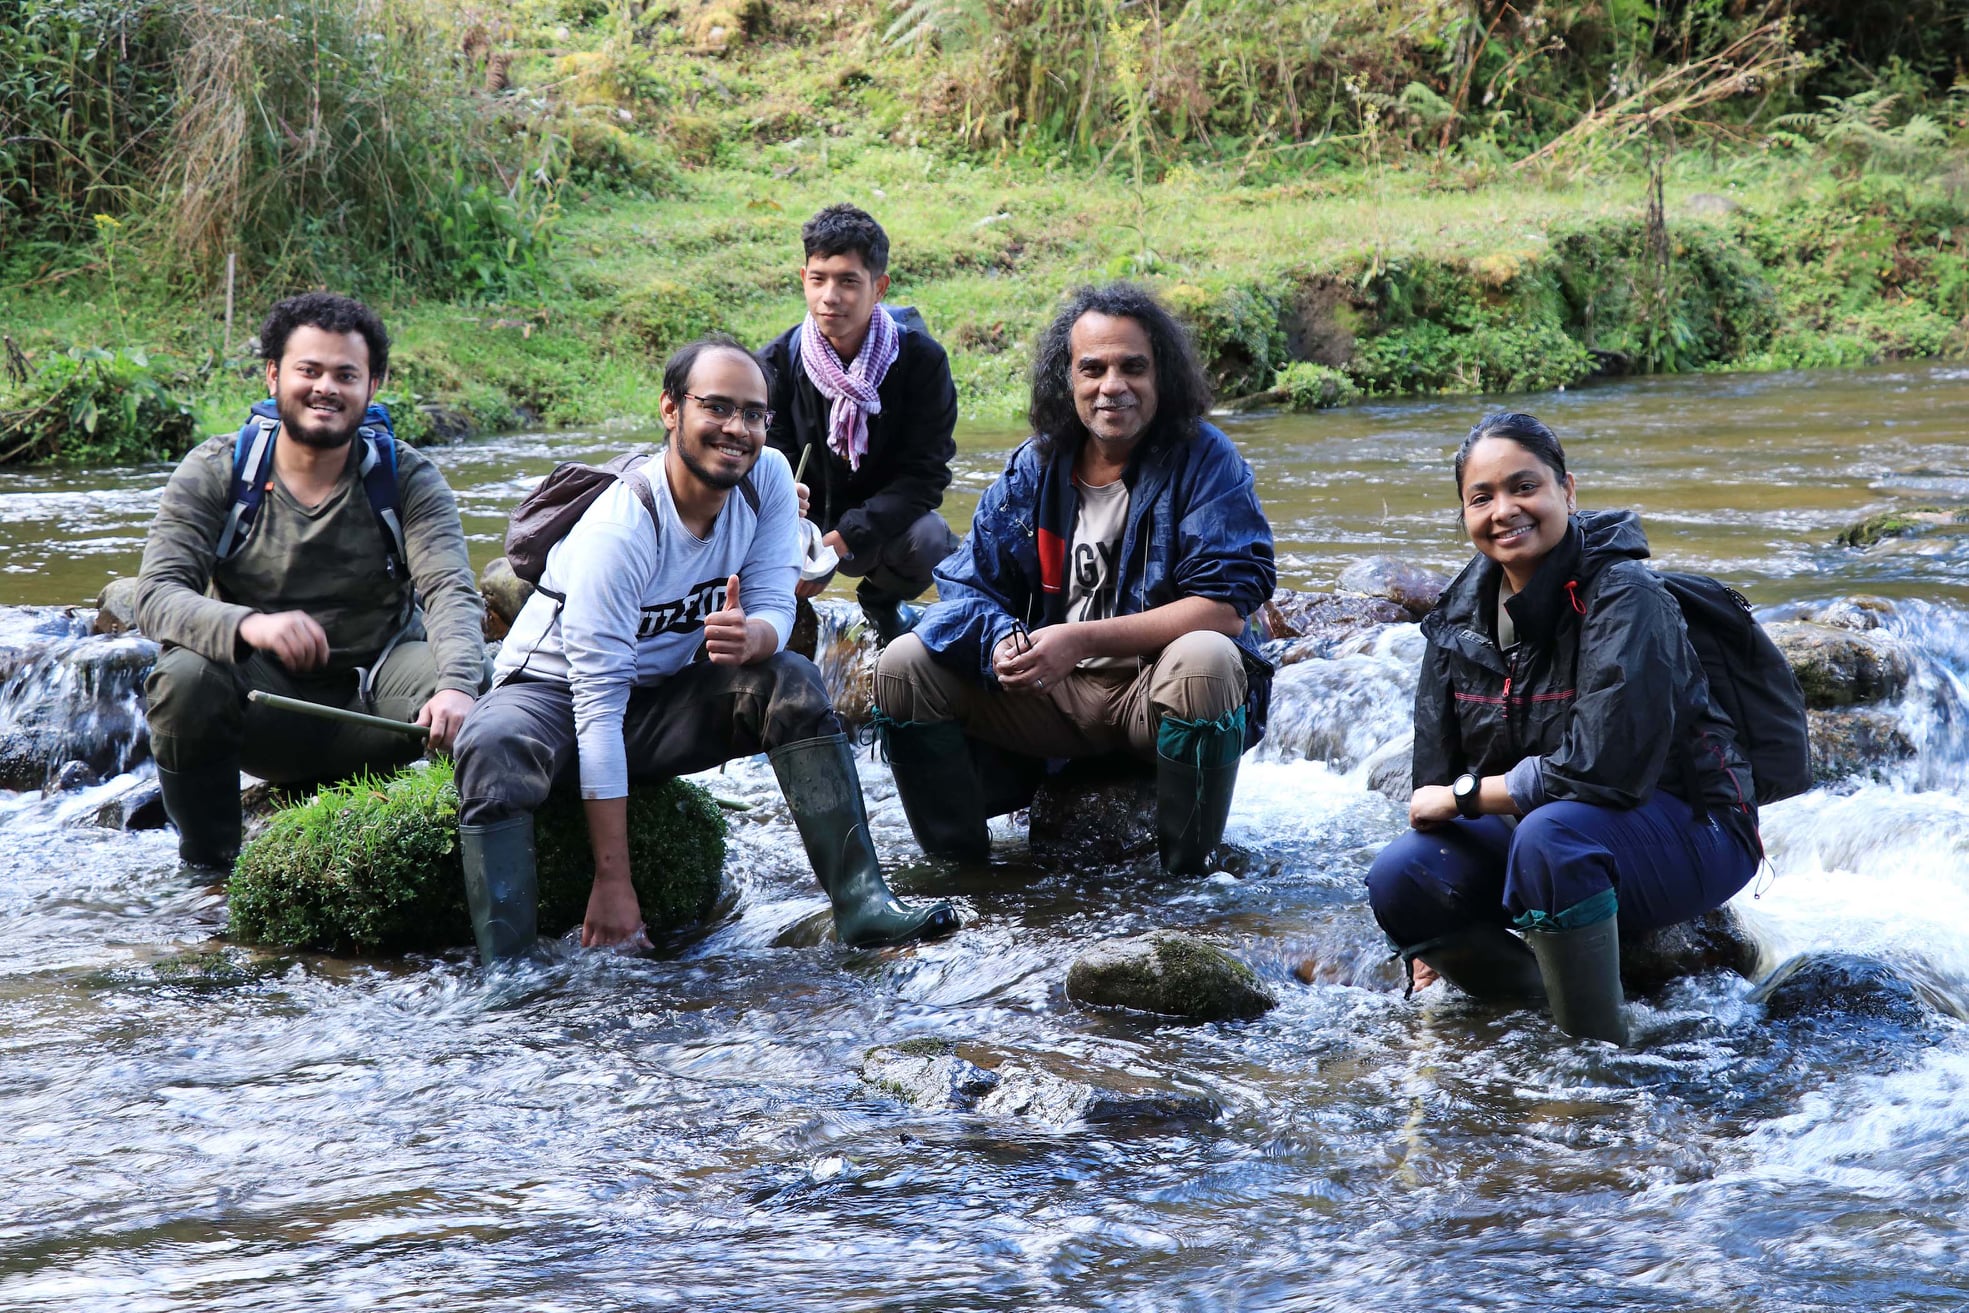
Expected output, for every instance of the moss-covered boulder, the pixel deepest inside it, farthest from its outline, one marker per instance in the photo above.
(372, 866)
(1173, 974)
(1840, 667)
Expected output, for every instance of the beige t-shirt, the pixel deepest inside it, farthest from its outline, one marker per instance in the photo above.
(1094, 568)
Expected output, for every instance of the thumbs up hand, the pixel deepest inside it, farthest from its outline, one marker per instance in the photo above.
(728, 638)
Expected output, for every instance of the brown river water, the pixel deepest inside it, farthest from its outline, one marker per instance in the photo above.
(187, 1124)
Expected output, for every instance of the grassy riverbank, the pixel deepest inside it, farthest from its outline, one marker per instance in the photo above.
(1315, 270)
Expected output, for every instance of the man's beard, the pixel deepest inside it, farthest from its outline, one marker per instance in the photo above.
(326, 440)
(710, 478)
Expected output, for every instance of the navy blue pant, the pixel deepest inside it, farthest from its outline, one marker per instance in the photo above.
(1664, 865)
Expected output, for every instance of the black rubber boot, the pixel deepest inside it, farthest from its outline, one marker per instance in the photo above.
(1484, 961)
(938, 785)
(818, 778)
(203, 803)
(889, 617)
(1195, 775)
(1581, 970)
(500, 886)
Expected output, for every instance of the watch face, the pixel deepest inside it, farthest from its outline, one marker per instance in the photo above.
(1465, 786)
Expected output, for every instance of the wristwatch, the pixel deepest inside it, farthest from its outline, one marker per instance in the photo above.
(1465, 793)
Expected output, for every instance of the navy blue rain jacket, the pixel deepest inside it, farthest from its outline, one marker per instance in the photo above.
(1195, 529)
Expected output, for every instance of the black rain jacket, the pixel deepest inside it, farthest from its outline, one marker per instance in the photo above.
(910, 447)
(1602, 687)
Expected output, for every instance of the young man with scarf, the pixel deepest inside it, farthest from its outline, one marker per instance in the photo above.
(868, 396)
(1099, 604)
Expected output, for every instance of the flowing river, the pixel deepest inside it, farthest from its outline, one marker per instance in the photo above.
(191, 1124)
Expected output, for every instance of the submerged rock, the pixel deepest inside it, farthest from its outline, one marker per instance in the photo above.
(1855, 742)
(1828, 984)
(373, 866)
(116, 607)
(1714, 941)
(1898, 523)
(1838, 667)
(1858, 612)
(67, 695)
(1414, 588)
(1311, 625)
(939, 1074)
(139, 807)
(1169, 973)
(1096, 812)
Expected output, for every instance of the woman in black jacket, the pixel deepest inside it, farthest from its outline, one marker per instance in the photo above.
(1571, 777)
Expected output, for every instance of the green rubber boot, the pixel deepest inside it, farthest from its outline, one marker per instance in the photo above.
(500, 886)
(1195, 775)
(818, 778)
(203, 803)
(1484, 961)
(938, 786)
(1580, 965)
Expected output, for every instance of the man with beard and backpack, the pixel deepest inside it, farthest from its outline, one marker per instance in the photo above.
(653, 647)
(865, 394)
(312, 556)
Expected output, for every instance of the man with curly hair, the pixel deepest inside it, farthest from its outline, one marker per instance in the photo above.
(1099, 604)
(310, 555)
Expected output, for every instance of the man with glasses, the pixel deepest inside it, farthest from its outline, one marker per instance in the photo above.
(866, 395)
(652, 648)
(1099, 604)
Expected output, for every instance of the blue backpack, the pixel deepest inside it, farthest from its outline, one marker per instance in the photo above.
(252, 475)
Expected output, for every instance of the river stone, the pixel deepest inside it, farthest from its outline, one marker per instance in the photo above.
(69, 776)
(1839, 667)
(1414, 588)
(505, 594)
(1861, 612)
(846, 653)
(116, 607)
(1169, 973)
(1099, 811)
(1318, 622)
(139, 807)
(939, 1074)
(1391, 770)
(1898, 523)
(67, 697)
(1714, 941)
(1821, 984)
(1858, 741)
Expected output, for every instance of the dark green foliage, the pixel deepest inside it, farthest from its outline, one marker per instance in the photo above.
(1499, 327)
(96, 407)
(1236, 328)
(373, 866)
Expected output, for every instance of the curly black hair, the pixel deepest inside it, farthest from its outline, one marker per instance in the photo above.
(847, 230)
(331, 314)
(1182, 389)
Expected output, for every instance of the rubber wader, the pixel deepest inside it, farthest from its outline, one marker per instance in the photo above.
(203, 803)
(938, 785)
(1581, 969)
(1195, 775)
(817, 777)
(500, 886)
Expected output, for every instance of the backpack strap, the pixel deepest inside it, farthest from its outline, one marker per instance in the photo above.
(378, 472)
(252, 470)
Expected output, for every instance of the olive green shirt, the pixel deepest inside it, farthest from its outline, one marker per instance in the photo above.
(331, 561)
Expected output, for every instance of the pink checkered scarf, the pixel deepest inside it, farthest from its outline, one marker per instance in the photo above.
(852, 388)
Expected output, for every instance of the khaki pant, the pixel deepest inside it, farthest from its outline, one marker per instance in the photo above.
(199, 716)
(1199, 676)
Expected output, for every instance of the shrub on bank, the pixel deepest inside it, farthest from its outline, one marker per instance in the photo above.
(372, 866)
(91, 406)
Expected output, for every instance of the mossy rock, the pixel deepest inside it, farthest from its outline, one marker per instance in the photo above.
(1172, 974)
(1903, 522)
(372, 866)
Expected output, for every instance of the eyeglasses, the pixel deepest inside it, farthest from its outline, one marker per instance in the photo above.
(718, 408)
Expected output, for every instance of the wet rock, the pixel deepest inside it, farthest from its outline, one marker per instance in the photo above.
(1340, 710)
(1714, 941)
(846, 653)
(116, 607)
(1857, 742)
(1839, 667)
(69, 696)
(1828, 984)
(140, 807)
(1391, 770)
(71, 775)
(1173, 974)
(1096, 812)
(805, 638)
(1317, 623)
(505, 595)
(1414, 588)
(937, 1074)
(1854, 613)
(1898, 523)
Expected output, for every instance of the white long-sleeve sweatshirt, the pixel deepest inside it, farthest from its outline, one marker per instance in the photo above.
(636, 600)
